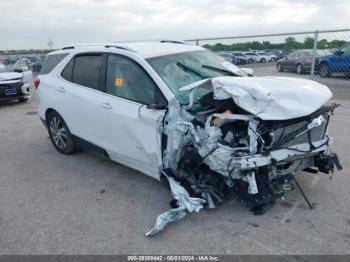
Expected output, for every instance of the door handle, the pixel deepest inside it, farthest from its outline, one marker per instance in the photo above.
(61, 89)
(106, 106)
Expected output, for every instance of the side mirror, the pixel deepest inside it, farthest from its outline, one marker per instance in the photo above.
(248, 71)
(338, 52)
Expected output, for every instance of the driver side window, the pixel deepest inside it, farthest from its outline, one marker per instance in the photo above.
(126, 79)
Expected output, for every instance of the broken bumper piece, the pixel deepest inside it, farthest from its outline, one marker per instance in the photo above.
(233, 147)
(185, 204)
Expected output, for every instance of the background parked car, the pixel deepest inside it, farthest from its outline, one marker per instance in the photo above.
(271, 57)
(8, 61)
(298, 61)
(337, 62)
(251, 56)
(15, 85)
(28, 63)
(262, 57)
(21, 65)
(233, 58)
(241, 56)
(35, 63)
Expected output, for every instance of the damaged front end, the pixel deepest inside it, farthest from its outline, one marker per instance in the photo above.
(245, 138)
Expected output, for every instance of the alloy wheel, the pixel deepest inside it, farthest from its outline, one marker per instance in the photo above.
(59, 133)
(324, 71)
(279, 68)
(299, 69)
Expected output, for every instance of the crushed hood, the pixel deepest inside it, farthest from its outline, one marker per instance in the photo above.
(9, 76)
(269, 98)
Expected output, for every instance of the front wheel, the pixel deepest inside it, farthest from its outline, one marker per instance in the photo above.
(22, 100)
(324, 70)
(59, 133)
(263, 60)
(299, 69)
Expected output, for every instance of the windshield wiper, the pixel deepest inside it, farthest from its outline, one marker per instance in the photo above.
(230, 73)
(190, 69)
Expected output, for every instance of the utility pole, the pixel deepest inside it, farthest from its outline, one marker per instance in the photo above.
(314, 54)
(50, 43)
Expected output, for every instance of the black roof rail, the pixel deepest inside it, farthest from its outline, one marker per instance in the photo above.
(173, 41)
(119, 47)
(68, 47)
(106, 46)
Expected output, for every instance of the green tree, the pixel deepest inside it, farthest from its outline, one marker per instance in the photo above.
(308, 43)
(322, 44)
(291, 43)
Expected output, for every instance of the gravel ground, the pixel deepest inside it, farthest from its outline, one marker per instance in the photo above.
(80, 204)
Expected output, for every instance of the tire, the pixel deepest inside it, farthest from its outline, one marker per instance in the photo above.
(279, 67)
(299, 69)
(324, 70)
(60, 135)
(250, 61)
(22, 100)
(263, 60)
(273, 59)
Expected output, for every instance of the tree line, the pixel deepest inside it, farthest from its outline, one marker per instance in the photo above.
(290, 43)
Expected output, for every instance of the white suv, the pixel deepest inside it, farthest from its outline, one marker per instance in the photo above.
(180, 112)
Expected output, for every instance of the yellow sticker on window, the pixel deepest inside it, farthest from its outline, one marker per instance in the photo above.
(118, 82)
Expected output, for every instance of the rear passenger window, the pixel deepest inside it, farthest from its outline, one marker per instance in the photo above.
(50, 62)
(86, 70)
(67, 72)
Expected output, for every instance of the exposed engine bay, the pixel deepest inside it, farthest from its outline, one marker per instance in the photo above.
(244, 141)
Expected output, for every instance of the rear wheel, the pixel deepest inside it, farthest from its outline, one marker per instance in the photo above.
(299, 69)
(279, 67)
(250, 61)
(59, 133)
(324, 70)
(263, 60)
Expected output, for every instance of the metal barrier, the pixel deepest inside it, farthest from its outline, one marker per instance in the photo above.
(321, 52)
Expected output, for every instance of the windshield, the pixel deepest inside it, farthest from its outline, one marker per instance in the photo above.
(182, 69)
(323, 52)
(3, 68)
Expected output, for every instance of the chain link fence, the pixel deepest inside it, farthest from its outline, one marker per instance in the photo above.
(311, 54)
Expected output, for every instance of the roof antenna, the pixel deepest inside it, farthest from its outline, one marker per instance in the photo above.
(302, 192)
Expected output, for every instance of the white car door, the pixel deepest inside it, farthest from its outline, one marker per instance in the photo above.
(130, 129)
(77, 96)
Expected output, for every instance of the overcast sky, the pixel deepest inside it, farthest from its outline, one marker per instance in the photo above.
(29, 24)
